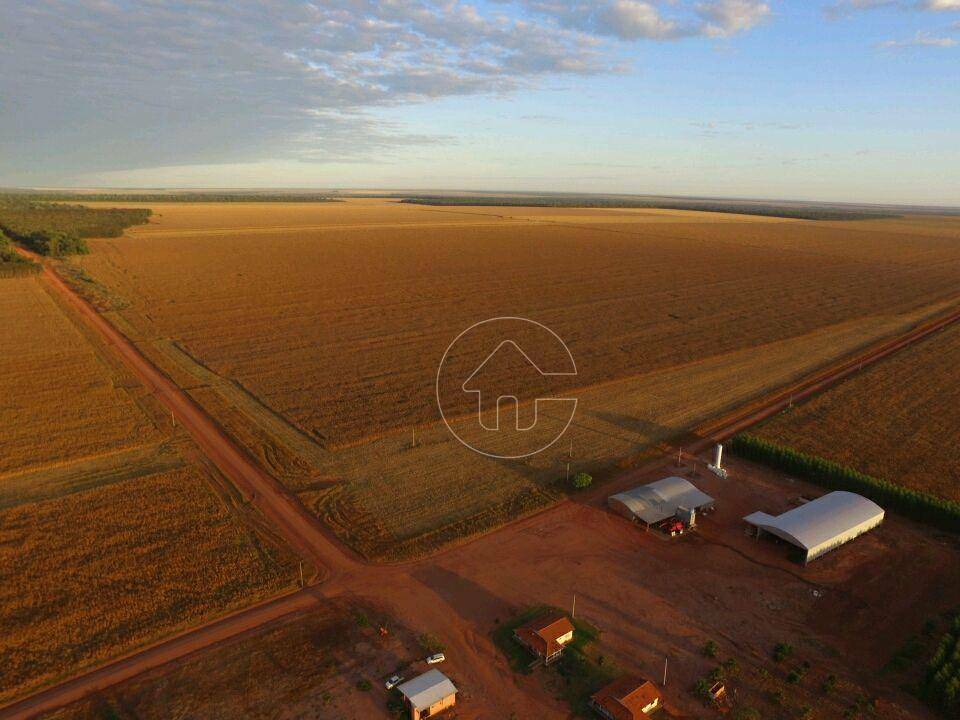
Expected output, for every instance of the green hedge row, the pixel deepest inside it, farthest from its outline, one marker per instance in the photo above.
(912, 503)
(942, 683)
(12, 263)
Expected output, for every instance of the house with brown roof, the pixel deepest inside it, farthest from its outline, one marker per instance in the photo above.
(626, 698)
(546, 635)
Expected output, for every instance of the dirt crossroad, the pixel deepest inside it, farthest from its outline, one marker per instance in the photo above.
(339, 570)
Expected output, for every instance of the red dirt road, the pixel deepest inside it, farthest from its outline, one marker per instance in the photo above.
(300, 528)
(340, 571)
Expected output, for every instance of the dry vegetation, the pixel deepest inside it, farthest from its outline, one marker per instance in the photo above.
(86, 576)
(313, 332)
(897, 420)
(109, 537)
(304, 669)
(58, 401)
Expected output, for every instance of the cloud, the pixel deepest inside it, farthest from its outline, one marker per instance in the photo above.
(118, 84)
(639, 19)
(921, 39)
(843, 8)
(731, 17)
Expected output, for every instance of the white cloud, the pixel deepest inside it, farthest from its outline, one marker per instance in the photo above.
(111, 84)
(942, 5)
(730, 17)
(921, 39)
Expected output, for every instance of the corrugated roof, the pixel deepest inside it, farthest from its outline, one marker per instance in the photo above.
(427, 689)
(659, 500)
(626, 697)
(819, 520)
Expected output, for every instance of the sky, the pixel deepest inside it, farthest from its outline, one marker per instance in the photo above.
(842, 100)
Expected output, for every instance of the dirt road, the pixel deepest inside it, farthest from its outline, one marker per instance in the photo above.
(300, 528)
(341, 572)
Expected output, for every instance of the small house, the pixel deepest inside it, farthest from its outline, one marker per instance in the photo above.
(546, 635)
(428, 694)
(626, 698)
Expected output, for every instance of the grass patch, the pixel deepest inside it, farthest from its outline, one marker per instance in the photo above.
(581, 670)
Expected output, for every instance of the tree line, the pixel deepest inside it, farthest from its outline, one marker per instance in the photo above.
(58, 230)
(12, 263)
(921, 506)
(941, 687)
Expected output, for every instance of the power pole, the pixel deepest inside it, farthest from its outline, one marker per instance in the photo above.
(414, 443)
(173, 418)
(301, 574)
(573, 612)
(664, 671)
(571, 449)
(568, 473)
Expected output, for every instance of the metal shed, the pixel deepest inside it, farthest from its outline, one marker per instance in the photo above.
(659, 500)
(822, 524)
(428, 694)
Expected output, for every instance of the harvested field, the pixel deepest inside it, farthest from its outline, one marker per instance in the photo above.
(313, 332)
(305, 668)
(60, 401)
(340, 329)
(109, 536)
(89, 575)
(897, 420)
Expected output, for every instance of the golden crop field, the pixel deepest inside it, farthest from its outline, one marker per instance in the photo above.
(897, 420)
(306, 668)
(109, 538)
(314, 332)
(58, 401)
(87, 576)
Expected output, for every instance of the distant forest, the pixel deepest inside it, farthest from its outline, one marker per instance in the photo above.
(59, 230)
(183, 196)
(798, 211)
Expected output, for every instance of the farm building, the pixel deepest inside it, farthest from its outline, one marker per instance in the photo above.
(822, 524)
(660, 500)
(546, 635)
(626, 698)
(428, 694)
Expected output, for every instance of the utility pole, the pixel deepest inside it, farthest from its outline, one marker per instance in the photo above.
(679, 457)
(414, 443)
(570, 454)
(301, 573)
(173, 418)
(568, 473)
(573, 612)
(664, 671)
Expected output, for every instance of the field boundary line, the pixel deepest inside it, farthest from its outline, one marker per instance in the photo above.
(160, 653)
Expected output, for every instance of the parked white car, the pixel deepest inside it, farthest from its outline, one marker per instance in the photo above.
(434, 659)
(392, 682)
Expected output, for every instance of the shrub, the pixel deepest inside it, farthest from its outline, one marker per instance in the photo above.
(710, 649)
(364, 685)
(782, 651)
(582, 480)
(430, 643)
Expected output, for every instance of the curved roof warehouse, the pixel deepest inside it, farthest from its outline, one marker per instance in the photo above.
(822, 524)
(659, 500)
